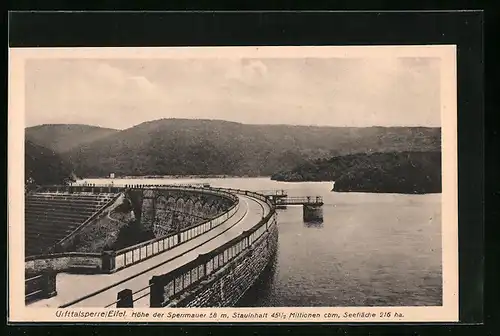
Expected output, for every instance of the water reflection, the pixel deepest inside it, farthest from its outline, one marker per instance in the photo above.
(318, 224)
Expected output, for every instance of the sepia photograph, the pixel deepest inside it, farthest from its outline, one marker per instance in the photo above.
(282, 184)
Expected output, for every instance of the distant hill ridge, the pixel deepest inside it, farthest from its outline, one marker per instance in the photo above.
(43, 166)
(215, 147)
(63, 137)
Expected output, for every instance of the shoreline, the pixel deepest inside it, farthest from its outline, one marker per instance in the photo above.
(170, 177)
(386, 192)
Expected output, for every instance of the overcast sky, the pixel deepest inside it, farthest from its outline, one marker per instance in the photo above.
(330, 92)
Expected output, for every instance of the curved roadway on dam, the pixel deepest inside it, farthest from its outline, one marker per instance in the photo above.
(100, 290)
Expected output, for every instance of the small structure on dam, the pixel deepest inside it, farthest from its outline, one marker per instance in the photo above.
(274, 196)
(312, 213)
(312, 206)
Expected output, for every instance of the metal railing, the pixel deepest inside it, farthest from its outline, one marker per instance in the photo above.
(278, 192)
(167, 287)
(134, 254)
(40, 286)
(78, 188)
(300, 200)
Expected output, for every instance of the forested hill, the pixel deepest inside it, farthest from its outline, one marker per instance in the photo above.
(211, 147)
(396, 172)
(63, 137)
(407, 172)
(43, 166)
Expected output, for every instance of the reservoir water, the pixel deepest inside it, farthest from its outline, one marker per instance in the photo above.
(370, 250)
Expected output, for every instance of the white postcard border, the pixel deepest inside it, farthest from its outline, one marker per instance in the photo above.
(18, 312)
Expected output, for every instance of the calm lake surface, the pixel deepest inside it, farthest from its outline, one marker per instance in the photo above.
(370, 250)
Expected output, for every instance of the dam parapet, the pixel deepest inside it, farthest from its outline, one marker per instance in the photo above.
(312, 206)
(220, 277)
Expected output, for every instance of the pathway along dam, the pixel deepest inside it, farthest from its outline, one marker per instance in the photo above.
(201, 246)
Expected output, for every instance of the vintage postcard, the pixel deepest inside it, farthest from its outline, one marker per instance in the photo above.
(233, 184)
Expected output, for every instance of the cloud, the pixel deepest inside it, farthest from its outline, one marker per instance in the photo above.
(143, 83)
(246, 71)
(104, 72)
(122, 93)
(86, 92)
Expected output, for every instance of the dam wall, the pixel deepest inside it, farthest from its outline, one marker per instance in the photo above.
(230, 283)
(88, 261)
(221, 277)
(132, 255)
(60, 262)
(166, 210)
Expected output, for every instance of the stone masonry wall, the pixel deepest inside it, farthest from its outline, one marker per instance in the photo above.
(167, 211)
(228, 284)
(61, 263)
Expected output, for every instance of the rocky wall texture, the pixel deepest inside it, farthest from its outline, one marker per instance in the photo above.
(168, 211)
(101, 233)
(62, 263)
